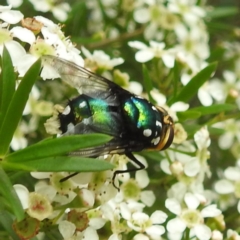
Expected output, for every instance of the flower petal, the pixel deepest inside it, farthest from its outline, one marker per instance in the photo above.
(211, 211)
(67, 229)
(173, 206)
(144, 55)
(204, 97)
(140, 236)
(155, 230)
(224, 187)
(232, 173)
(179, 106)
(142, 178)
(158, 217)
(141, 15)
(176, 225)
(191, 201)
(148, 198)
(23, 194)
(137, 44)
(23, 34)
(11, 16)
(202, 232)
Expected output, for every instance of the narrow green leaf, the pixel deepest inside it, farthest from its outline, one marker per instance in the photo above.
(216, 131)
(6, 221)
(16, 107)
(220, 26)
(216, 54)
(7, 84)
(176, 78)
(194, 84)
(7, 190)
(188, 115)
(57, 146)
(220, 12)
(60, 163)
(147, 83)
(214, 109)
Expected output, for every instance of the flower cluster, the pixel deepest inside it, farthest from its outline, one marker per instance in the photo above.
(91, 202)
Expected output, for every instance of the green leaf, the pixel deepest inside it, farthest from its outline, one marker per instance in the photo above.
(190, 114)
(16, 107)
(7, 190)
(220, 12)
(215, 27)
(57, 146)
(176, 78)
(194, 84)
(216, 131)
(148, 83)
(197, 112)
(60, 163)
(6, 221)
(214, 109)
(7, 84)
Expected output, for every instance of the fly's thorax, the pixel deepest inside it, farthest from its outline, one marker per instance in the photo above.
(76, 110)
(85, 114)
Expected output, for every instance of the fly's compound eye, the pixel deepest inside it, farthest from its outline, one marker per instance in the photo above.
(167, 133)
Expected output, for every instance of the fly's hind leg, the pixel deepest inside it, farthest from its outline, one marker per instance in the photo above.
(130, 156)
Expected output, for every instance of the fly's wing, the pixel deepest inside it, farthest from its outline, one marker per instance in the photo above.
(94, 86)
(115, 146)
(80, 78)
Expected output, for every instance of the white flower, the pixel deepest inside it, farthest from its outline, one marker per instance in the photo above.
(219, 90)
(231, 84)
(190, 216)
(10, 16)
(101, 59)
(178, 157)
(156, 49)
(231, 127)
(231, 234)
(187, 165)
(229, 187)
(111, 212)
(60, 11)
(38, 205)
(173, 109)
(131, 189)
(212, 90)
(193, 46)
(188, 9)
(202, 138)
(141, 222)
(156, 17)
(15, 49)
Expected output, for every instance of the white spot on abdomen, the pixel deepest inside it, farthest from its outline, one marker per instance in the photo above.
(147, 132)
(155, 141)
(158, 124)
